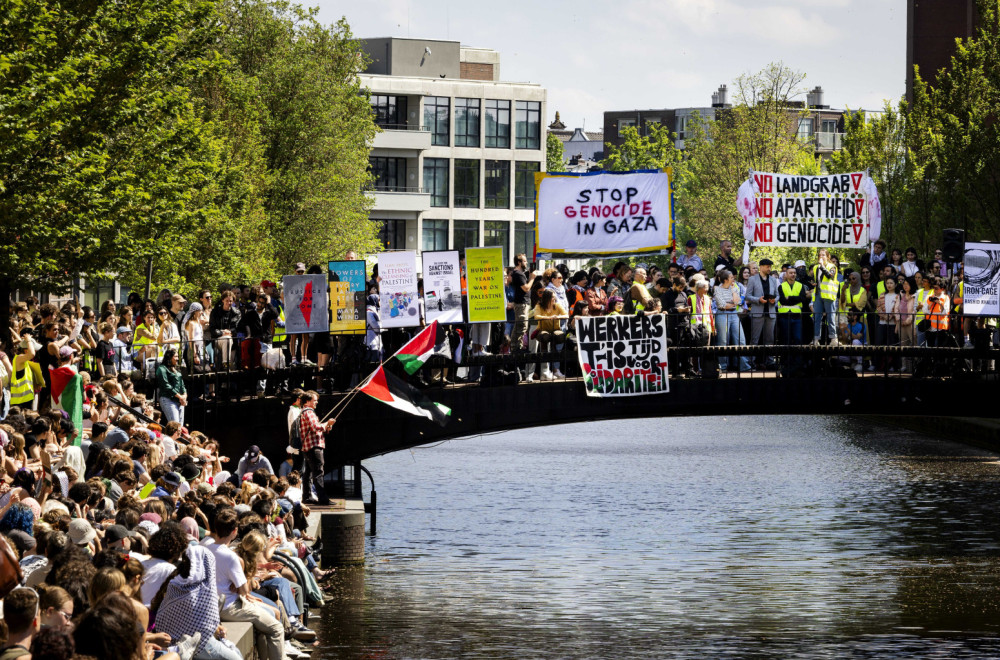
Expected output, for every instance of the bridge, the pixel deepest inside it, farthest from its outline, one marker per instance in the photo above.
(809, 380)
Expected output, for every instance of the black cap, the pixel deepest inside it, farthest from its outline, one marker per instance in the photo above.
(766, 262)
(115, 533)
(190, 471)
(172, 479)
(253, 452)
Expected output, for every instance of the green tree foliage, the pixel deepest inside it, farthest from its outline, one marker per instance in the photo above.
(555, 160)
(653, 151)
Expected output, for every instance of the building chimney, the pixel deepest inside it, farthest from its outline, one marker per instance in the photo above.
(723, 95)
(715, 99)
(814, 99)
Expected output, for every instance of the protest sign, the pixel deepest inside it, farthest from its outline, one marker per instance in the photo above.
(811, 211)
(484, 275)
(442, 286)
(603, 213)
(306, 304)
(623, 355)
(348, 280)
(981, 287)
(399, 304)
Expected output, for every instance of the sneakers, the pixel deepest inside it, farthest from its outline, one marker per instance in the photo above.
(857, 368)
(294, 362)
(301, 633)
(547, 375)
(558, 374)
(187, 645)
(306, 362)
(815, 341)
(834, 342)
(530, 378)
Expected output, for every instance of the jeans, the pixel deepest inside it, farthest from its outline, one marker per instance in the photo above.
(285, 593)
(213, 649)
(173, 411)
(518, 340)
(790, 329)
(729, 332)
(829, 307)
(269, 633)
(314, 463)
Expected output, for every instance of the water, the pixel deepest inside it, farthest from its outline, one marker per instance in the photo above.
(703, 537)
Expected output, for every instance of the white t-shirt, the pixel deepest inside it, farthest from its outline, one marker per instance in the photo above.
(293, 494)
(156, 571)
(229, 575)
(890, 305)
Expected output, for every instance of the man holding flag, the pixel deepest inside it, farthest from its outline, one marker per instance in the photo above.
(67, 391)
(313, 434)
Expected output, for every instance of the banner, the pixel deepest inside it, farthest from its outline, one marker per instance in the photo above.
(603, 213)
(348, 281)
(306, 304)
(484, 278)
(399, 303)
(811, 211)
(623, 355)
(442, 286)
(981, 289)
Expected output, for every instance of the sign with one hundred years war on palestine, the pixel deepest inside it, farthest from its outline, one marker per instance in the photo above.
(623, 355)
(811, 211)
(603, 213)
(487, 302)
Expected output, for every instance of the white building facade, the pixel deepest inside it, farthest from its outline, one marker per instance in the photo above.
(455, 160)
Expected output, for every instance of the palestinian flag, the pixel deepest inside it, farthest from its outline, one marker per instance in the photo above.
(432, 340)
(400, 395)
(67, 395)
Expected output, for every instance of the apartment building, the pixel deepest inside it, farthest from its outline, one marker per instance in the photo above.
(455, 160)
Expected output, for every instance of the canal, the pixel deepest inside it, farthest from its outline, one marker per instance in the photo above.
(686, 537)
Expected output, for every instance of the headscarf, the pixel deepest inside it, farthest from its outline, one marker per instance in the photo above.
(191, 527)
(191, 604)
(73, 457)
(195, 308)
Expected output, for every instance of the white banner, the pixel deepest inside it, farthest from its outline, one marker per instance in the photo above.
(811, 211)
(981, 288)
(397, 289)
(307, 304)
(603, 213)
(623, 355)
(442, 286)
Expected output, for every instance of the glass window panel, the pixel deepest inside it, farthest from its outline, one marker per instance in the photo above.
(497, 124)
(436, 180)
(524, 239)
(436, 119)
(466, 122)
(389, 173)
(529, 131)
(393, 234)
(524, 184)
(466, 234)
(497, 232)
(390, 111)
(497, 184)
(435, 235)
(466, 183)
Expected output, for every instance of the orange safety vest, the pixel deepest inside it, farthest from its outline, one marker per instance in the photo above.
(937, 316)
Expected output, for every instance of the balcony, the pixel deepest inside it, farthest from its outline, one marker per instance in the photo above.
(403, 136)
(400, 198)
(829, 141)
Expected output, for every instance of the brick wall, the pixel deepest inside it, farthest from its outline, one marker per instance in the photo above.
(475, 71)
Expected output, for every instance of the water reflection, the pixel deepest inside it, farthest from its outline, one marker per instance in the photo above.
(796, 537)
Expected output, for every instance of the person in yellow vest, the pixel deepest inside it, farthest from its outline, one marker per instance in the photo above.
(924, 291)
(22, 380)
(792, 299)
(145, 336)
(825, 303)
(854, 302)
(701, 317)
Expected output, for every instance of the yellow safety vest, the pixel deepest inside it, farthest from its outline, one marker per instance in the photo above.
(705, 318)
(961, 296)
(279, 332)
(880, 289)
(142, 341)
(828, 289)
(22, 390)
(921, 298)
(790, 291)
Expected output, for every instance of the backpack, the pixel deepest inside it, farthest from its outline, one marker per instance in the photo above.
(296, 438)
(629, 303)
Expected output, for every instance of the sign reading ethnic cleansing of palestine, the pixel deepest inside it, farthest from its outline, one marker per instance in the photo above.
(623, 355)
(484, 277)
(811, 211)
(603, 213)
(981, 288)
(400, 306)
(306, 304)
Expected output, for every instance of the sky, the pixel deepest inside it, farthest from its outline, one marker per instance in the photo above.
(646, 54)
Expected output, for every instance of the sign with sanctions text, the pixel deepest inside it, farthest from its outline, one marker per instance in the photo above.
(811, 211)
(623, 355)
(603, 213)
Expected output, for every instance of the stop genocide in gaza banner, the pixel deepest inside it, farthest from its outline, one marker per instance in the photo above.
(811, 211)
(623, 355)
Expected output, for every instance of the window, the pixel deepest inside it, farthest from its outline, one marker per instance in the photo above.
(524, 184)
(467, 183)
(389, 173)
(497, 184)
(435, 235)
(393, 234)
(652, 121)
(829, 125)
(805, 131)
(529, 135)
(436, 115)
(390, 111)
(466, 122)
(624, 123)
(682, 124)
(436, 180)
(524, 238)
(497, 232)
(498, 124)
(466, 234)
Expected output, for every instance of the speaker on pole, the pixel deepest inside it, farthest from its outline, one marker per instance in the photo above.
(953, 246)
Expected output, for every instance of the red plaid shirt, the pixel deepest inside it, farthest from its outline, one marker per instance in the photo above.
(313, 433)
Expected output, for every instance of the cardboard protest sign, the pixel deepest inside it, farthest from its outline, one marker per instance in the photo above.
(812, 211)
(603, 213)
(981, 287)
(484, 275)
(442, 286)
(306, 304)
(623, 355)
(399, 304)
(348, 280)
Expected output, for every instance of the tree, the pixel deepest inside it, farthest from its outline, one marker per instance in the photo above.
(555, 160)
(100, 146)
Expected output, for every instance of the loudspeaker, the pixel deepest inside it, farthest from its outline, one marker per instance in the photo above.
(953, 246)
